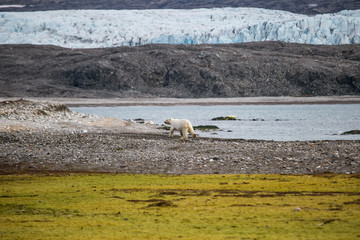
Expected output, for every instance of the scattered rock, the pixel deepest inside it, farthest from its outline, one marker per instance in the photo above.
(206, 128)
(352, 132)
(226, 118)
(257, 119)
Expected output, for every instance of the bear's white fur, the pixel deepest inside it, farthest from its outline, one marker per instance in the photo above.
(182, 125)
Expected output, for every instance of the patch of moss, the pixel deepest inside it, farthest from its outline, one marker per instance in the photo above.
(226, 118)
(206, 128)
(117, 206)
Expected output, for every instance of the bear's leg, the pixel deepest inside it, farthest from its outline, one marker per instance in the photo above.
(181, 134)
(171, 132)
(191, 131)
(184, 133)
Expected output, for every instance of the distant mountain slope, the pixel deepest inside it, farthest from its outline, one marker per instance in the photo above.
(308, 7)
(251, 69)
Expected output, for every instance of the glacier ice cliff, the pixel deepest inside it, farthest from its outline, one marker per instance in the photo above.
(111, 28)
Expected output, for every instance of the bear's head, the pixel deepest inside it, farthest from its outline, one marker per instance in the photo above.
(167, 121)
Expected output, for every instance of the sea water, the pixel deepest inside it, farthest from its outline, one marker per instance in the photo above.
(263, 122)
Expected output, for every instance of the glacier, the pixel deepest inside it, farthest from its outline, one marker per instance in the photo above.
(112, 28)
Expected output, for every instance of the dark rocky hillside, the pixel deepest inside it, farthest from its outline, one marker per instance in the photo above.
(249, 69)
(309, 7)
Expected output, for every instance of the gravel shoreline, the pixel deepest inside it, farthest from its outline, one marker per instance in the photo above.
(42, 137)
(77, 102)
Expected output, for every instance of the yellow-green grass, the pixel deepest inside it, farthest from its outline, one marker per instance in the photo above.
(106, 206)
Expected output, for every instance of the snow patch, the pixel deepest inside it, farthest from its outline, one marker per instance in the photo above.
(12, 6)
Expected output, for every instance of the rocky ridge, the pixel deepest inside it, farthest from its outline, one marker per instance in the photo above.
(181, 71)
(304, 7)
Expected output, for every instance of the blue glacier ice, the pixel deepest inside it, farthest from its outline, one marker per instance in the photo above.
(111, 28)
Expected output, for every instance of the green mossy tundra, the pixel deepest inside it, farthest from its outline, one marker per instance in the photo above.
(106, 206)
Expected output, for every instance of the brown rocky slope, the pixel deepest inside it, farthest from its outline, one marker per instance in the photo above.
(192, 71)
(309, 7)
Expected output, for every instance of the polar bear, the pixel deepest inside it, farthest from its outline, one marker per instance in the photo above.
(182, 125)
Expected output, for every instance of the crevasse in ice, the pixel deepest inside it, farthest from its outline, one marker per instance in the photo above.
(111, 28)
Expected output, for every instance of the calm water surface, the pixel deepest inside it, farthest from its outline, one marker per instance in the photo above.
(267, 122)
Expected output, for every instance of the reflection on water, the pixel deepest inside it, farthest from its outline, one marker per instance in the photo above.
(267, 122)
